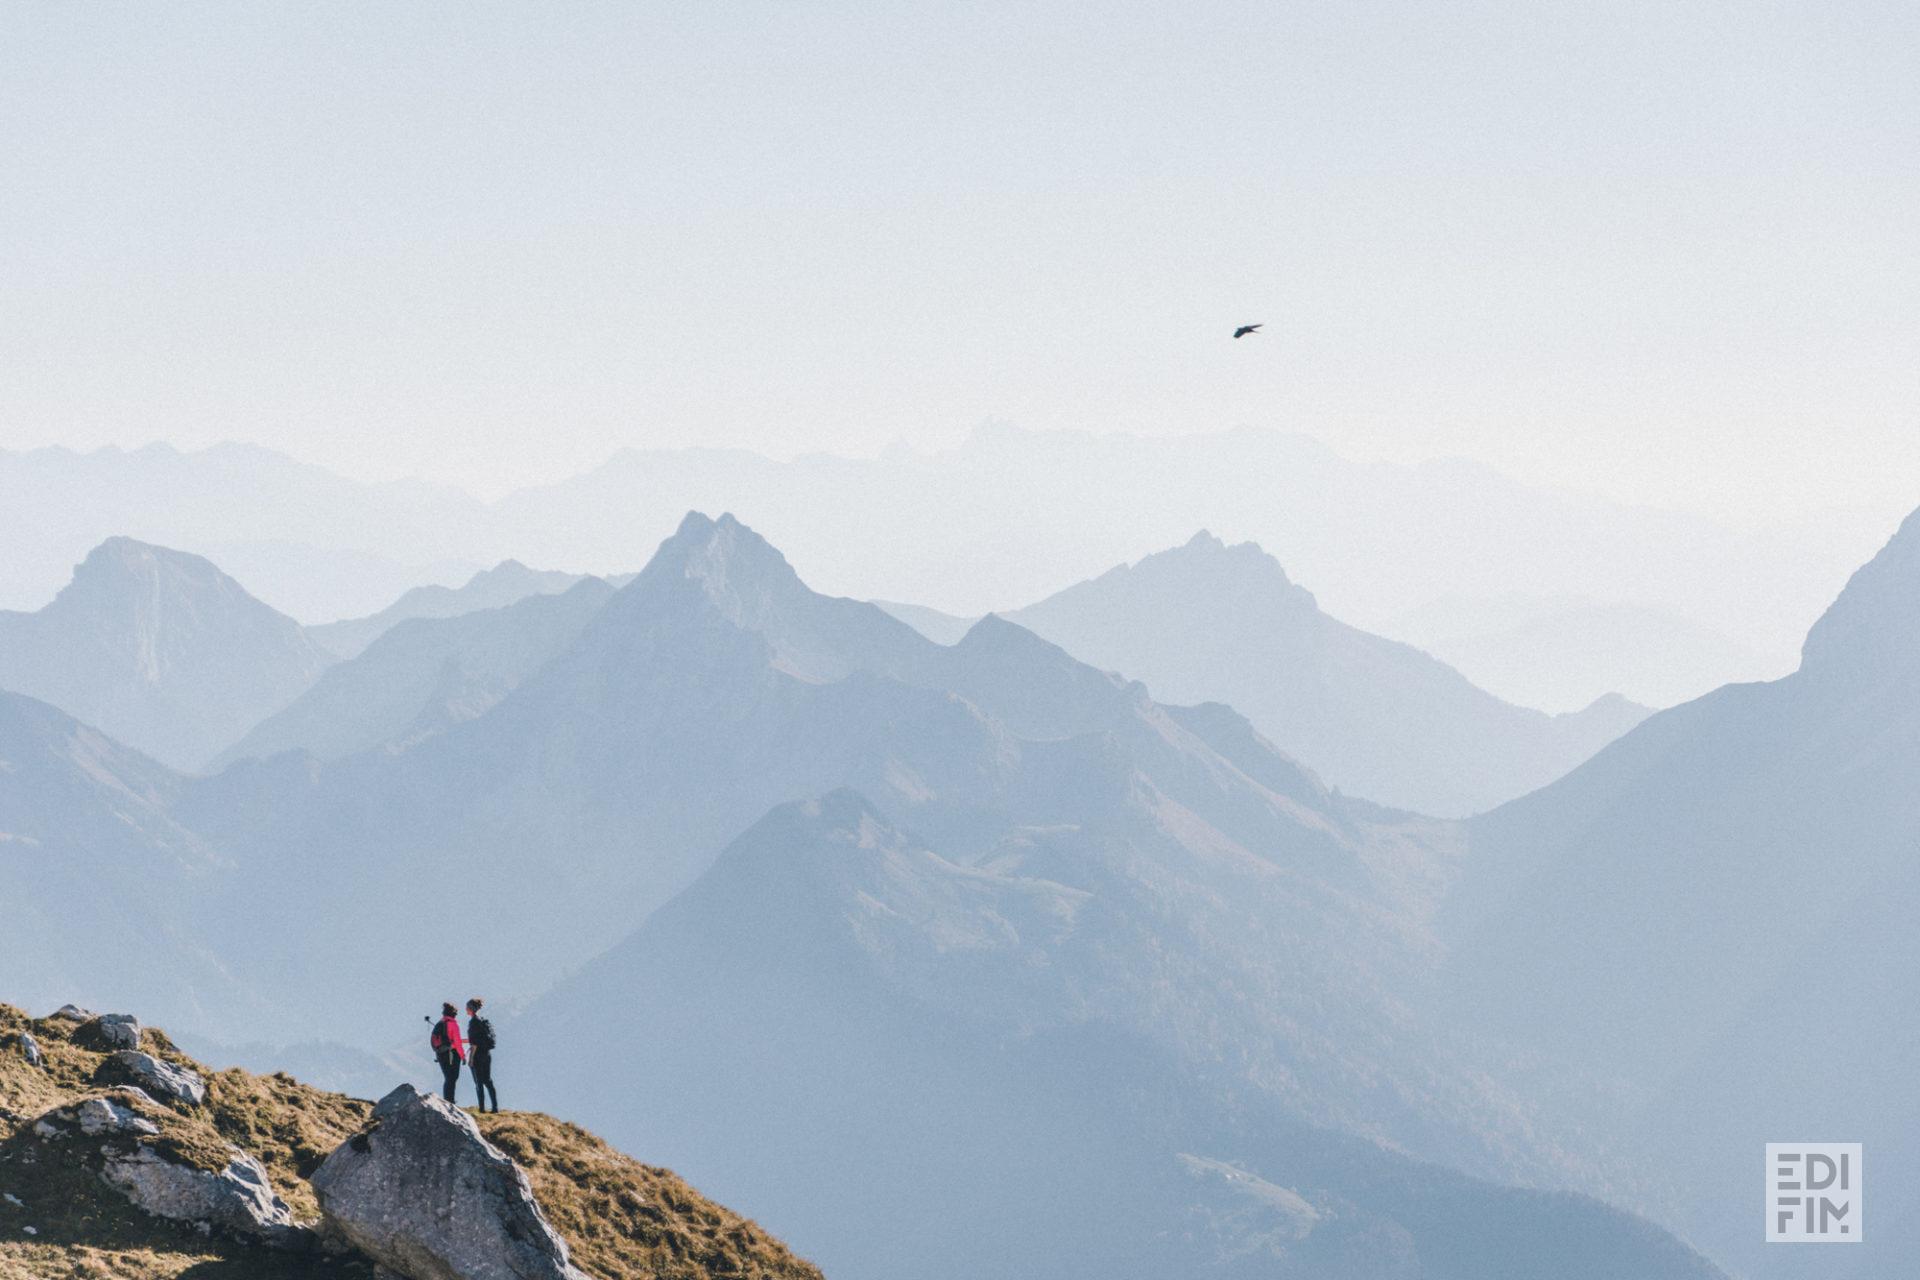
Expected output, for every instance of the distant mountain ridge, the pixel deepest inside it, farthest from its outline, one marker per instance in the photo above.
(159, 649)
(1546, 652)
(981, 522)
(1205, 622)
(425, 674)
(506, 583)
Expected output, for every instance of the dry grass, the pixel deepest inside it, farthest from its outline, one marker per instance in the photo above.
(289, 1127)
(622, 1220)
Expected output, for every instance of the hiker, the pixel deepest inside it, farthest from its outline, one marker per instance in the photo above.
(448, 1050)
(480, 1055)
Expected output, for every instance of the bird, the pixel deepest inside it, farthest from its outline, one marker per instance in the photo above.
(1245, 329)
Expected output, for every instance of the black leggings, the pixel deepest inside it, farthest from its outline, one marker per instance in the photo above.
(449, 1075)
(482, 1068)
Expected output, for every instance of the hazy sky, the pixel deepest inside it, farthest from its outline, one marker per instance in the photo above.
(1667, 251)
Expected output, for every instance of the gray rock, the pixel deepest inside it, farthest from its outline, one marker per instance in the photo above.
(107, 1032)
(72, 1013)
(98, 1116)
(422, 1193)
(238, 1200)
(94, 1118)
(29, 1049)
(160, 1079)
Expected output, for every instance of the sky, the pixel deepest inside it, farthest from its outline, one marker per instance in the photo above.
(1663, 252)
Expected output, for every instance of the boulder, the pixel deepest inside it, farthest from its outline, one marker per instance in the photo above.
(96, 1118)
(107, 1032)
(420, 1192)
(160, 1079)
(29, 1049)
(71, 1013)
(237, 1200)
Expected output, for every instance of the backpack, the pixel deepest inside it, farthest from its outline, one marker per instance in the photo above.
(439, 1037)
(480, 1032)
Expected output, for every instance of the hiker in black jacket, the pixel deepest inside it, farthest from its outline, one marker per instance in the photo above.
(480, 1054)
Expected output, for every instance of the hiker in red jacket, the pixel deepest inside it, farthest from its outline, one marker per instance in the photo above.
(448, 1049)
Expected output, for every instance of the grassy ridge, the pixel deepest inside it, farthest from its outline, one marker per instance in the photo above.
(623, 1220)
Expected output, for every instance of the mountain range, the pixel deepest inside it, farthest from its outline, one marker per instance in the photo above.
(1151, 887)
(970, 528)
(828, 896)
(1205, 622)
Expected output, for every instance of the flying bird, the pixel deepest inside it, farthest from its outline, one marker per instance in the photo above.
(1246, 329)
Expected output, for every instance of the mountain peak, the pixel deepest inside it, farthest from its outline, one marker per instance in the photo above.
(1208, 561)
(124, 573)
(991, 629)
(724, 566)
(161, 650)
(996, 638)
(730, 559)
(1209, 549)
(124, 553)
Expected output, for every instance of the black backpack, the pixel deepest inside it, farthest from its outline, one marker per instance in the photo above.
(438, 1038)
(480, 1033)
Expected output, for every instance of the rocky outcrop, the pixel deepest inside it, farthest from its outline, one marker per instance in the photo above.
(237, 1200)
(108, 1133)
(422, 1193)
(95, 1118)
(212, 1172)
(71, 1013)
(29, 1048)
(108, 1032)
(161, 1079)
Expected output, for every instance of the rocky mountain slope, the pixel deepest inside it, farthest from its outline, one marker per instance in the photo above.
(1698, 932)
(1206, 622)
(425, 674)
(888, 1049)
(120, 1157)
(160, 650)
(99, 874)
(508, 582)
